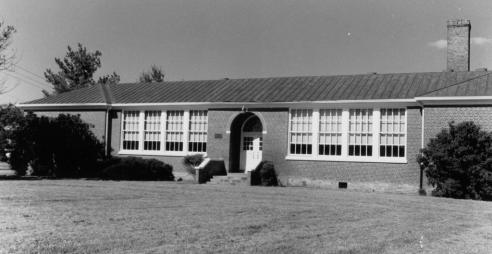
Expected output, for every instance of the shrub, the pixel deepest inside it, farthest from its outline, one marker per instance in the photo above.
(135, 168)
(264, 174)
(58, 147)
(11, 118)
(458, 162)
(192, 161)
(213, 168)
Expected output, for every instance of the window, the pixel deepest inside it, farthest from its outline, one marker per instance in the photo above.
(330, 132)
(152, 131)
(174, 130)
(301, 131)
(131, 130)
(348, 134)
(247, 143)
(198, 131)
(392, 133)
(360, 132)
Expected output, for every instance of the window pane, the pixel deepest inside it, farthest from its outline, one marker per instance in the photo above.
(360, 132)
(301, 131)
(130, 131)
(392, 133)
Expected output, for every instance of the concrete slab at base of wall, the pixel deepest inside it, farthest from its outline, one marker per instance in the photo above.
(356, 186)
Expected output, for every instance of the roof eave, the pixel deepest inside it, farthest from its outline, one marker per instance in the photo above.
(63, 106)
(455, 100)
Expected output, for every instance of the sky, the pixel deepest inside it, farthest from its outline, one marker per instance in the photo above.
(215, 39)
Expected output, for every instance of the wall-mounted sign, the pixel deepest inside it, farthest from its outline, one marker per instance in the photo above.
(218, 135)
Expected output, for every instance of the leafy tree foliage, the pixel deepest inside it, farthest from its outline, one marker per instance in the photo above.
(6, 34)
(458, 162)
(109, 79)
(58, 147)
(155, 74)
(11, 118)
(77, 70)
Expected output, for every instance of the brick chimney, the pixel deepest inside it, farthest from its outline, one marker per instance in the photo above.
(458, 56)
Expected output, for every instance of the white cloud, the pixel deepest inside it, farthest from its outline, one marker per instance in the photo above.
(479, 41)
(440, 44)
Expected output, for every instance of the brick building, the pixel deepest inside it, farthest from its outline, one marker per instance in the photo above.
(365, 130)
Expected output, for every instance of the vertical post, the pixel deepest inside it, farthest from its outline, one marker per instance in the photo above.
(315, 131)
(376, 126)
(345, 130)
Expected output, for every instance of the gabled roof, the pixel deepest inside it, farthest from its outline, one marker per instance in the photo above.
(286, 89)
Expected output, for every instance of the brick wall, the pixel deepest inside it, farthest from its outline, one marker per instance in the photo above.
(290, 171)
(438, 117)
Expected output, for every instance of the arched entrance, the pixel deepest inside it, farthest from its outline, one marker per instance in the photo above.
(246, 148)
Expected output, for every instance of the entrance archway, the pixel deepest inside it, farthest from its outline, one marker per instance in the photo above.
(246, 147)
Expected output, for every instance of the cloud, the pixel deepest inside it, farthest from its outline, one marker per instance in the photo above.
(479, 41)
(440, 44)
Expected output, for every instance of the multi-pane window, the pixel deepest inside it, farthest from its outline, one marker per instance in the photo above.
(392, 133)
(174, 130)
(330, 132)
(247, 143)
(352, 134)
(130, 130)
(360, 132)
(152, 131)
(301, 131)
(198, 131)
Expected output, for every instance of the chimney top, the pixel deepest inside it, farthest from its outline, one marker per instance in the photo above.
(458, 50)
(459, 22)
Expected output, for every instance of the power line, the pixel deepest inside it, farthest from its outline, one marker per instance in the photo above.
(28, 71)
(27, 82)
(29, 78)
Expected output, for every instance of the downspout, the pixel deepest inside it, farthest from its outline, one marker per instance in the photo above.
(108, 99)
(106, 131)
(422, 144)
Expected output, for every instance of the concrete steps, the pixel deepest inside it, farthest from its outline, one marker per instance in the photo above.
(240, 179)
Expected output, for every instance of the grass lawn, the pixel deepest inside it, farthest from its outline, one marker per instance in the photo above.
(53, 216)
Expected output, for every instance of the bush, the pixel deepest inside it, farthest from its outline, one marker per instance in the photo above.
(192, 161)
(264, 174)
(11, 118)
(58, 147)
(213, 168)
(135, 168)
(458, 162)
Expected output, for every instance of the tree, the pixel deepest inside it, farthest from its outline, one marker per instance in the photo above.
(11, 118)
(6, 58)
(155, 74)
(458, 162)
(63, 146)
(77, 70)
(113, 78)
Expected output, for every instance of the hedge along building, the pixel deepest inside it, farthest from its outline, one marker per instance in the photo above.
(362, 129)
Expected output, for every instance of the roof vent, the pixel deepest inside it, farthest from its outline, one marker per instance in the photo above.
(373, 73)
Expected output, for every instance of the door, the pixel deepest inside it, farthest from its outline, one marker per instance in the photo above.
(251, 150)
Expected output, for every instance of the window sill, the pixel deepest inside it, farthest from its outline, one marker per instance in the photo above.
(158, 153)
(295, 157)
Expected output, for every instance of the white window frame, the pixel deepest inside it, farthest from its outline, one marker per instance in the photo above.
(376, 117)
(163, 126)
